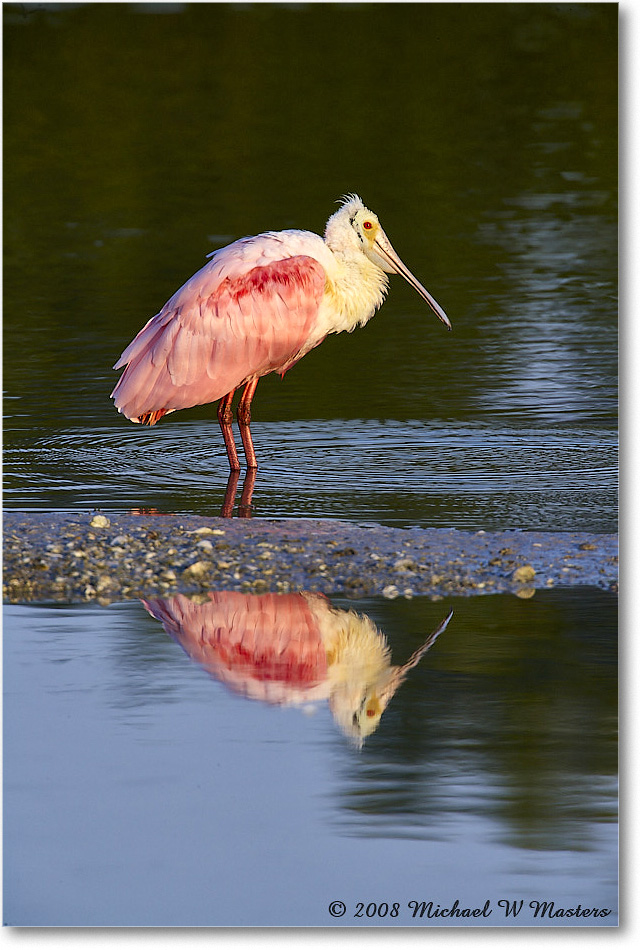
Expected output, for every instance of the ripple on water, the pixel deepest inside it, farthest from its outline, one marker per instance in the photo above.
(398, 473)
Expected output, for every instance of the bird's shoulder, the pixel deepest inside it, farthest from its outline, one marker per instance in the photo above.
(268, 248)
(258, 264)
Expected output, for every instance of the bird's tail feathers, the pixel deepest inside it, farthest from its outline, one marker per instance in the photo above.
(151, 418)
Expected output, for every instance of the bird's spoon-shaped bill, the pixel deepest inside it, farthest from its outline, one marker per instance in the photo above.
(387, 252)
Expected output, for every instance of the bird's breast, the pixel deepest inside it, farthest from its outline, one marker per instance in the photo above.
(353, 293)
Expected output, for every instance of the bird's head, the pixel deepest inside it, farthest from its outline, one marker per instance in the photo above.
(358, 701)
(357, 708)
(354, 227)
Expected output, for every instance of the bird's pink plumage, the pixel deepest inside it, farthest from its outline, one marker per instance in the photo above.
(234, 320)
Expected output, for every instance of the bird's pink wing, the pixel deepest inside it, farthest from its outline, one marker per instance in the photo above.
(232, 321)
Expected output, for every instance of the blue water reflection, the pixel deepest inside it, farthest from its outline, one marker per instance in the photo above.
(141, 790)
(292, 649)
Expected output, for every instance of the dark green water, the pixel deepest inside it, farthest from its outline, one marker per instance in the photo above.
(140, 137)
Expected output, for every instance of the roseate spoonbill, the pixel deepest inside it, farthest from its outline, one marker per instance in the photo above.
(257, 307)
(290, 650)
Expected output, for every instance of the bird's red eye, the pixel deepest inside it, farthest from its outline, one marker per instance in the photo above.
(370, 712)
(367, 225)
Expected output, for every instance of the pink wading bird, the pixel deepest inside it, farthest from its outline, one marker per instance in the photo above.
(257, 307)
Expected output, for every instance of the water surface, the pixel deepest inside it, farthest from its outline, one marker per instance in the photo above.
(139, 137)
(403, 474)
(489, 153)
(147, 790)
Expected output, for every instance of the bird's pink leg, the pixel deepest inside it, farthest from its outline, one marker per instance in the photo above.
(225, 419)
(244, 418)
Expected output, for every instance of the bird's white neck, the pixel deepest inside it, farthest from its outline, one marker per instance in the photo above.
(356, 287)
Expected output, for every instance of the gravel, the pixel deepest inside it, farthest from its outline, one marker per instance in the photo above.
(106, 557)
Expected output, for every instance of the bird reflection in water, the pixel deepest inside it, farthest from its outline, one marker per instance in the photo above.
(227, 508)
(291, 649)
(245, 501)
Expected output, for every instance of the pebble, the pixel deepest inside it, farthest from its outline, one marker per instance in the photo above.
(524, 574)
(206, 530)
(63, 557)
(197, 568)
(404, 564)
(99, 521)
